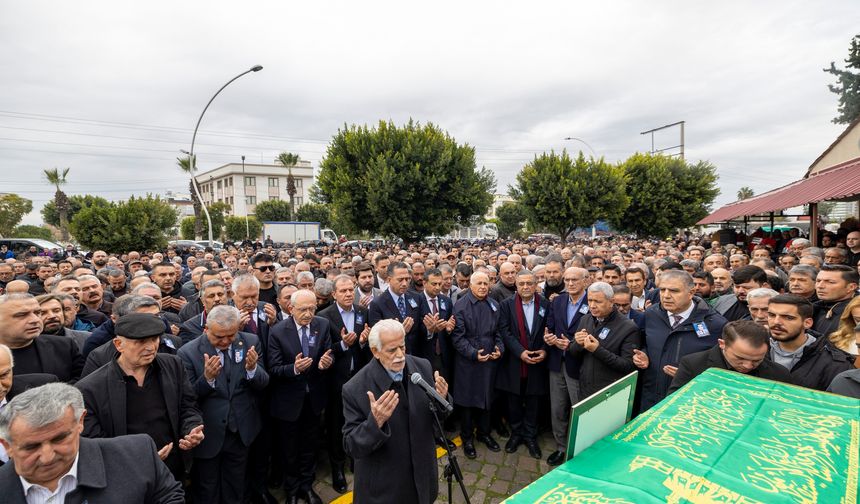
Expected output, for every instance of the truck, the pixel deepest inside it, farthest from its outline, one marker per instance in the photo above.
(293, 232)
(487, 231)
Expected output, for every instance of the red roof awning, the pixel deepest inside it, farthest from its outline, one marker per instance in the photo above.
(837, 183)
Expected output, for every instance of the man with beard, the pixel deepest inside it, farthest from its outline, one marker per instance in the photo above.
(417, 283)
(801, 281)
(365, 292)
(734, 306)
(757, 301)
(164, 276)
(722, 281)
(92, 295)
(704, 286)
(118, 282)
(7, 274)
(835, 285)
(53, 319)
(553, 284)
(34, 352)
(99, 259)
(264, 271)
(43, 272)
(810, 357)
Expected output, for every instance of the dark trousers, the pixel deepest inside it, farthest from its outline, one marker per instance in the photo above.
(334, 424)
(298, 441)
(221, 479)
(523, 413)
(261, 456)
(471, 418)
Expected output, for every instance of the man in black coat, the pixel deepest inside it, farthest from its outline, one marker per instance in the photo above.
(224, 368)
(299, 355)
(835, 286)
(164, 276)
(143, 392)
(397, 303)
(349, 332)
(213, 293)
(20, 329)
(523, 374)
(604, 340)
(743, 348)
(438, 322)
(389, 426)
(125, 469)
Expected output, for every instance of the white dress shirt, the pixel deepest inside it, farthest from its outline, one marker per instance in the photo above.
(684, 314)
(37, 494)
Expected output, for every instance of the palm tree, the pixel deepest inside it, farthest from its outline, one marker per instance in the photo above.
(289, 160)
(745, 192)
(184, 164)
(61, 201)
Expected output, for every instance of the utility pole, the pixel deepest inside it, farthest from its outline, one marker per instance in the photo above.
(680, 145)
(247, 231)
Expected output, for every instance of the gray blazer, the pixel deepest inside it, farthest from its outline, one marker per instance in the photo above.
(78, 336)
(124, 469)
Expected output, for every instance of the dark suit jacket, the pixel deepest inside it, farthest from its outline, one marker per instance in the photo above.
(508, 377)
(339, 372)
(105, 400)
(613, 358)
(287, 388)
(395, 463)
(697, 363)
(232, 390)
(124, 469)
(557, 324)
(191, 328)
(24, 382)
(384, 307)
(57, 355)
(446, 309)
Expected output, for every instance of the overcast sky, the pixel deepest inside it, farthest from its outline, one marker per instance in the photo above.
(113, 89)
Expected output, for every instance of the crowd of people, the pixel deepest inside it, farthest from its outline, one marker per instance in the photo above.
(244, 365)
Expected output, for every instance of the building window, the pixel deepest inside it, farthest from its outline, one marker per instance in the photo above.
(298, 184)
(219, 184)
(274, 198)
(250, 200)
(298, 201)
(250, 181)
(273, 181)
(230, 181)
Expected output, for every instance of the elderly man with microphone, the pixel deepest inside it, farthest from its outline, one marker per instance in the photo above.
(389, 426)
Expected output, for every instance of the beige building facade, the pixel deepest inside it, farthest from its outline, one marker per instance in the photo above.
(243, 188)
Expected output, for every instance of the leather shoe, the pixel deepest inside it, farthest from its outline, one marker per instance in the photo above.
(469, 449)
(309, 496)
(555, 458)
(338, 480)
(488, 440)
(513, 443)
(534, 449)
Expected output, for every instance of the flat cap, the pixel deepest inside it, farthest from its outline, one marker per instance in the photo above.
(139, 326)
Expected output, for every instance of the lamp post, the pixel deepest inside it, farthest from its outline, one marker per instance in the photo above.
(255, 68)
(247, 230)
(584, 142)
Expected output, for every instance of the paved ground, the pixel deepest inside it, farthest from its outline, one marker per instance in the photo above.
(490, 478)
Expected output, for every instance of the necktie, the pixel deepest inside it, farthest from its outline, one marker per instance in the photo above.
(306, 350)
(677, 321)
(433, 308)
(401, 307)
(225, 355)
(251, 326)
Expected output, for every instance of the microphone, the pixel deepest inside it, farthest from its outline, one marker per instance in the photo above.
(430, 391)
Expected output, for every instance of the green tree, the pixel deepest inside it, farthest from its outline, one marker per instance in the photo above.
(61, 201)
(51, 216)
(13, 208)
(30, 231)
(665, 193)
(273, 211)
(234, 228)
(136, 224)
(288, 160)
(847, 84)
(510, 218)
(185, 164)
(409, 181)
(217, 212)
(562, 194)
(745, 193)
(186, 228)
(314, 212)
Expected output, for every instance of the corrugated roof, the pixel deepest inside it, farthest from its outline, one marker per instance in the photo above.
(839, 182)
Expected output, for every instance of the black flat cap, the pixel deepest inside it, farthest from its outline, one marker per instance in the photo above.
(139, 326)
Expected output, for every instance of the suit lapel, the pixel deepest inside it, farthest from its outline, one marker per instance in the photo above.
(389, 301)
(117, 401)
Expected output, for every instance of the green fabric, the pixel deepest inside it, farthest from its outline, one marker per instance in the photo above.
(723, 437)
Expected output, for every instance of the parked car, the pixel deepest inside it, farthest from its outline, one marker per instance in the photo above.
(21, 245)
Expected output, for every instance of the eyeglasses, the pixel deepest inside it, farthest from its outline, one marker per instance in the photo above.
(265, 268)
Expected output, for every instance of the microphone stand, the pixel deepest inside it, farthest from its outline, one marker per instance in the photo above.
(452, 468)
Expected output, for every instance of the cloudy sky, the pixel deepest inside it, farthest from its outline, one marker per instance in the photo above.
(113, 89)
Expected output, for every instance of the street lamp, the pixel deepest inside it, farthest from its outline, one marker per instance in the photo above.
(584, 142)
(255, 68)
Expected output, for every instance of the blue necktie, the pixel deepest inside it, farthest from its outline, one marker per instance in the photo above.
(401, 306)
(306, 351)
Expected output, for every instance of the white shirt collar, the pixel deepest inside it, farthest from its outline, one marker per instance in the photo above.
(430, 298)
(73, 474)
(684, 314)
(394, 296)
(299, 327)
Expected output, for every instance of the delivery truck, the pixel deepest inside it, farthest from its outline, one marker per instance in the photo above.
(292, 232)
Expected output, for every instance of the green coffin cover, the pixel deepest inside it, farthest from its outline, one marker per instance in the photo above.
(723, 437)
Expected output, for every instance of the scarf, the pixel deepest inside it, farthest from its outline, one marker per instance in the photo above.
(521, 327)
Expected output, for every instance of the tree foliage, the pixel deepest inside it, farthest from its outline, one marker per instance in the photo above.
(188, 225)
(509, 219)
(30, 231)
(314, 212)
(745, 192)
(273, 211)
(13, 208)
(847, 84)
(187, 166)
(288, 160)
(666, 193)
(234, 228)
(409, 181)
(51, 216)
(136, 224)
(61, 201)
(561, 194)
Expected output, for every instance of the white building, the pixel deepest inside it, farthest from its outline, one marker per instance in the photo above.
(242, 190)
(181, 203)
(498, 200)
